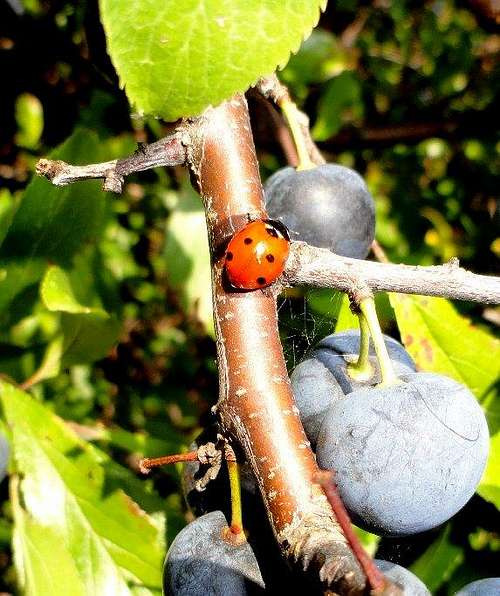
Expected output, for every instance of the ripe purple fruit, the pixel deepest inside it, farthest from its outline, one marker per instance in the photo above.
(327, 206)
(407, 581)
(407, 457)
(200, 562)
(323, 378)
(315, 389)
(482, 587)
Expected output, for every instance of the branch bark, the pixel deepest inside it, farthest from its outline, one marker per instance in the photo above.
(319, 267)
(169, 151)
(256, 404)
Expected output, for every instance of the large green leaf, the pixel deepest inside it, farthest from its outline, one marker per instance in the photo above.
(441, 340)
(187, 256)
(71, 489)
(50, 223)
(56, 222)
(176, 57)
(35, 546)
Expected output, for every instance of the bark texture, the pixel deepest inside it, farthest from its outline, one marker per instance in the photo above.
(256, 404)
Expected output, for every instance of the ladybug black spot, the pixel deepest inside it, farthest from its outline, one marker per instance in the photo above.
(270, 258)
(248, 241)
(229, 256)
(261, 281)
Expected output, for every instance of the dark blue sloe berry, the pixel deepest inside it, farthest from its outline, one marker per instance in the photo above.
(481, 587)
(406, 580)
(327, 206)
(200, 562)
(314, 389)
(340, 349)
(323, 378)
(407, 457)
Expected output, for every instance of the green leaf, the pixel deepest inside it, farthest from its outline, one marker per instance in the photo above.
(340, 102)
(53, 222)
(57, 294)
(317, 60)
(35, 546)
(187, 256)
(441, 340)
(439, 561)
(175, 58)
(8, 207)
(29, 117)
(489, 488)
(86, 333)
(71, 488)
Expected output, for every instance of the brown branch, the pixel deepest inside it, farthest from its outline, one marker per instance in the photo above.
(318, 267)
(307, 264)
(271, 88)
(256, 404)
(168, 151)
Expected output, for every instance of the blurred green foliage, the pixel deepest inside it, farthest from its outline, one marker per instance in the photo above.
(105, 300)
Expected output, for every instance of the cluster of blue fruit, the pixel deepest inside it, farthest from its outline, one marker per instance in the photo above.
(406, 456)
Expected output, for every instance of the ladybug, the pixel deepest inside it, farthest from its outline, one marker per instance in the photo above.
(256, 255)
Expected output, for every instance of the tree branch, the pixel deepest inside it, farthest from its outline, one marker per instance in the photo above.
(319, 267)
(168, 151)
(271, 88)
(256, 406)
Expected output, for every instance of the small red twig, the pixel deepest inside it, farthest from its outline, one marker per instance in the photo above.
(376, 579)
(153, 462)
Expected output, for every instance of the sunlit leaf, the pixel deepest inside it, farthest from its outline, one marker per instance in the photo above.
(175, 58)
(68, 487)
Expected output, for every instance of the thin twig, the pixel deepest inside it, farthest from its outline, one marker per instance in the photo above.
(169, 151)
(271, 88)
(374, 576)
(153, 462)
(307, 265)
(319, 267)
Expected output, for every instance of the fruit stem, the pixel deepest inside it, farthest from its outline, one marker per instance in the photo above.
(233, 469)
(367, 307)
(290, 113)
(375, 578)
(153, 462)
(362, 370)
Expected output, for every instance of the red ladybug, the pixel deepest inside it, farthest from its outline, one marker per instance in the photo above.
(256, 255)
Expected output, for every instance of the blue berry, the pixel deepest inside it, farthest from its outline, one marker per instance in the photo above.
(327, 206)
(323, 377)
(406, 580)
(407, 457)
(340, 349)
(315, 389)
(481, 587)
(200, 562)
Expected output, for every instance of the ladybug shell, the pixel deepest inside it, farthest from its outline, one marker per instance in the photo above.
(256, 255)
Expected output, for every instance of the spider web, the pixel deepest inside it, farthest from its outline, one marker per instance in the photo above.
(304, 319)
